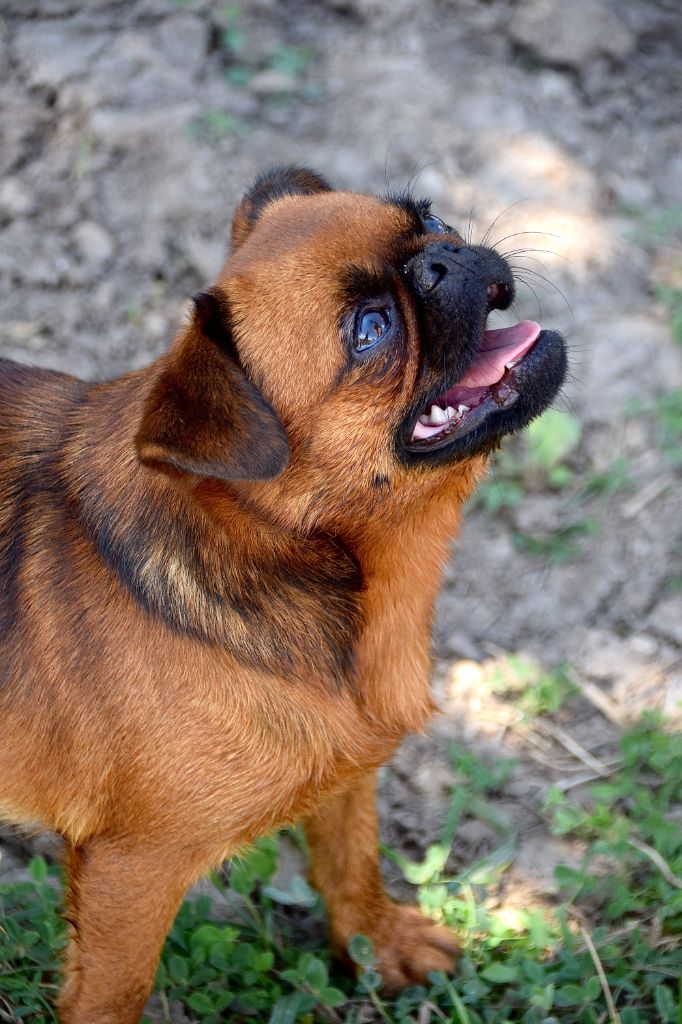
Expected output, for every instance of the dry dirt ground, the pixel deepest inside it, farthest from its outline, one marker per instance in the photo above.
(127, 132)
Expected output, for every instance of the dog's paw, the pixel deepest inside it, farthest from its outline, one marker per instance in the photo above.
(408, 945)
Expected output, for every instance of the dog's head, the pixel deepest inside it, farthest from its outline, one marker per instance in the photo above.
(346, 332)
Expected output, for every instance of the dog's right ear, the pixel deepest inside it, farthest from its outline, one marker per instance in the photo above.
(202, 414)
(273, 184)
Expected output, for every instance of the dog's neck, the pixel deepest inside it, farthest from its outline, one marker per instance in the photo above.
(225, 565)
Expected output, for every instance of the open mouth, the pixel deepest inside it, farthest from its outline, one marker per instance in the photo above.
(489, 385)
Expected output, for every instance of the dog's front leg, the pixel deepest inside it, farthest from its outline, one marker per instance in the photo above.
(120, 902)
(343, 840)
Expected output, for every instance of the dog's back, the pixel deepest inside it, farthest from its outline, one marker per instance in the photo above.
(34, 405)
(35, 552)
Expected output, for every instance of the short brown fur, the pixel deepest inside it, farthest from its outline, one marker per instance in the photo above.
(217, 597)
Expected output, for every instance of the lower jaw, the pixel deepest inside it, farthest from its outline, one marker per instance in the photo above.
(521, 395)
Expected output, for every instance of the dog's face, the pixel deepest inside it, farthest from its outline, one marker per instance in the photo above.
(348, 330)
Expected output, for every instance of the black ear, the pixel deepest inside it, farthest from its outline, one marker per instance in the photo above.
(274, 183)
(202, 414)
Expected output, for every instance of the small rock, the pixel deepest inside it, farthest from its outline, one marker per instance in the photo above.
(15, 199)
(666, 618)
(570, 34)
(270, 83)
(290, 864)
(93, 242)
(53, 53)
(183, 40)
(475, 832)
(555, 86)
(644, 644)
(157, 1013)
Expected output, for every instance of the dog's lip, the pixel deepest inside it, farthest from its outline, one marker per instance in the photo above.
(488, 385)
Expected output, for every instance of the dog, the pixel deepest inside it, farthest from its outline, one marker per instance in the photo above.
(218, 573)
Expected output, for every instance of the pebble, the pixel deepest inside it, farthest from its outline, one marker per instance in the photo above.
(666, 618)
(269, 83)
(93, 242)
(15, 199)
(53, 53)
(570, 34)
(183, 41)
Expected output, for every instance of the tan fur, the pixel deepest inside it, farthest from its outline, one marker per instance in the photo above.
(157, 751)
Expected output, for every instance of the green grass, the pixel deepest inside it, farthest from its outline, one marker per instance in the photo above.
(215, 125)
(653, 227)
(608, 952)
(540, 461)
(243, 61)
(536, 690)
(671, 297)
(669, 414)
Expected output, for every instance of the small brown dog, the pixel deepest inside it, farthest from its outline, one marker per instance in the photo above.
(218, 573)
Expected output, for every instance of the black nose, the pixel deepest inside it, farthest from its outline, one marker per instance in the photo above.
(430, 266)
(443, 266)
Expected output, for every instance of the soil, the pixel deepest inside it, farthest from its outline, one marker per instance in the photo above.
(129, 130)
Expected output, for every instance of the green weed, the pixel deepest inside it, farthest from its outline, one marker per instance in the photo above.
(535, 690)
(671, 297)
(244, 62)
(653, 228)
(613, 479)
(669, 412)
(558, 546)
(31, 942)
(216, 125)
(536, 461)
(548, 441)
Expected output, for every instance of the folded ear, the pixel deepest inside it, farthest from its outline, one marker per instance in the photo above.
(273, 184)
(203, 415)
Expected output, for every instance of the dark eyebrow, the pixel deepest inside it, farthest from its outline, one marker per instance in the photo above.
(416, 209)
(358, 282)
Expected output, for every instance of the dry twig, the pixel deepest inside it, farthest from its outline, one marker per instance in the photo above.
(613, 1012)
(655, 857)
(596, 696)
(572, 746)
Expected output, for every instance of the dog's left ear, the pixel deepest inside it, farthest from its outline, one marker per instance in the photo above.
(203, 415)
(269, 186)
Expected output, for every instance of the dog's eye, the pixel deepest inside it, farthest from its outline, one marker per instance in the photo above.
(434, 224)
(372, 328)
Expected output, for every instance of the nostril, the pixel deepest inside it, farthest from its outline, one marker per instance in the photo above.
(499, 295)
(438, 272)
(428, 274)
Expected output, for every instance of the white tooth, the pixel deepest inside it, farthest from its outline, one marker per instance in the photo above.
(438, 415)
(461, 409)
(425, 421)
(510, 365)
(450, 413)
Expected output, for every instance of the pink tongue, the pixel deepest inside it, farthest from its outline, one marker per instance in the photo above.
(498, 348)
